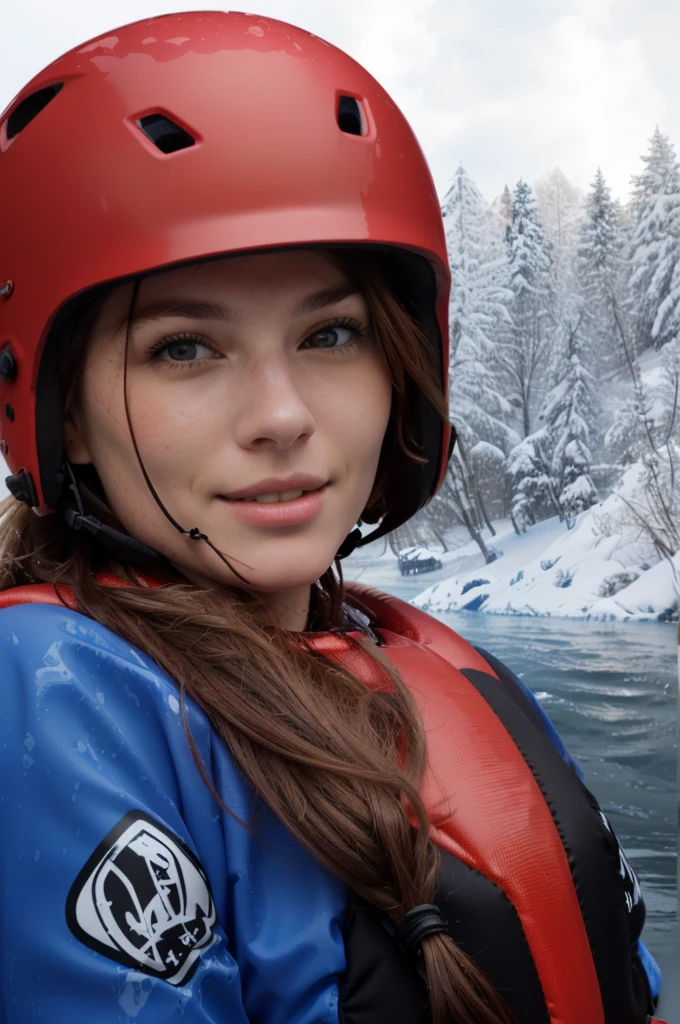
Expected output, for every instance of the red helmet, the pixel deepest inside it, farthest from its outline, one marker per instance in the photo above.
(184, 137)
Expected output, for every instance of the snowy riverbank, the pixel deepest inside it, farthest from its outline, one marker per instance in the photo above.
(603, 568)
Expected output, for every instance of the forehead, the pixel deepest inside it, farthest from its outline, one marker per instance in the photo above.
(286, 272)
(274, 281)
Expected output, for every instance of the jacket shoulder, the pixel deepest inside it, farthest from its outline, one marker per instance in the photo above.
(47, 651)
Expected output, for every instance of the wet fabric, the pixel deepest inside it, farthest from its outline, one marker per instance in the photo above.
(92, 732)
(127, 893)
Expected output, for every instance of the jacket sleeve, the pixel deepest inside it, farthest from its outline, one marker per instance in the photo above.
(645, 962)
(106, 913)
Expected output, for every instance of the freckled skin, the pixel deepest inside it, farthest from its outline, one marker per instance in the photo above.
(262, 395)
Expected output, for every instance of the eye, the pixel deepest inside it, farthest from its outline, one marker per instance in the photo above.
(334, 336)
(181, 350)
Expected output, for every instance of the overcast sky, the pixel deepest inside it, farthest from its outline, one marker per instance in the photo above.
(510, 87)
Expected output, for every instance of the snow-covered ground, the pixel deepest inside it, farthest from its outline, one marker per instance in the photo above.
(603, 568)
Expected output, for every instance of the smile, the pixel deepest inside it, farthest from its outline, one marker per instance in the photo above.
(270, 499)
(279, 508)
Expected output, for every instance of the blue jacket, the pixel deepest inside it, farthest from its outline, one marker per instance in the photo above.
(127, 894)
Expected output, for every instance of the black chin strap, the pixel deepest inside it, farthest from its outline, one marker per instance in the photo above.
(349, 543)
(72, 512)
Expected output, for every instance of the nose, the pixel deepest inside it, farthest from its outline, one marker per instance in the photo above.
(273, 410)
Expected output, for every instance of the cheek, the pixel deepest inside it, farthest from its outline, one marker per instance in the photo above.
(361, 419)
(157, 426)
(103, 411)
(173, 424)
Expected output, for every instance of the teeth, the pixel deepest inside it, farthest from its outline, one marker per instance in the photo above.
(270, 499)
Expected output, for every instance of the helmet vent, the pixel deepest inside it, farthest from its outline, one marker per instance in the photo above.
(164, 133)
(350, 116)
(30, 108)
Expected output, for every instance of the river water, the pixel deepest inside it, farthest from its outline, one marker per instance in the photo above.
(611, 690)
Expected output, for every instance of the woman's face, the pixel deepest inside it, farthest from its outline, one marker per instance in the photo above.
(254, 377)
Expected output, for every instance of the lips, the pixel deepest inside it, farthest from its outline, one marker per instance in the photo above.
(270, 499)
(278, 513)
(278, 489)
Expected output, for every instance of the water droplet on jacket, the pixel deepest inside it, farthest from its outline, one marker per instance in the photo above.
(135, 992)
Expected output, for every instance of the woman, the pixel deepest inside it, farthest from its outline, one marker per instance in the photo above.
(233, 790)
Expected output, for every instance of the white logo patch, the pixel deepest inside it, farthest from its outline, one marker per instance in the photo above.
(143, 900)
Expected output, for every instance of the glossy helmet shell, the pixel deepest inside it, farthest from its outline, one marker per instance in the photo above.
(185, 137)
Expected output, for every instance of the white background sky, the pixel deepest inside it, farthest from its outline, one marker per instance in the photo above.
(510, 87)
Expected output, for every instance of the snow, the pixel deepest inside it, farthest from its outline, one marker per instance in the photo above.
(554, 571)
(654, 251)
(643, 598)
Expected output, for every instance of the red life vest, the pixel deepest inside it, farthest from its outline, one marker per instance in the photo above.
(484, 802)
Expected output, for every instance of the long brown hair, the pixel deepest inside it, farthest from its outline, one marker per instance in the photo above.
(338, 763)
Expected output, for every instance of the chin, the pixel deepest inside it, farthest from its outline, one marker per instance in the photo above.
(287, 564)
(292, 576)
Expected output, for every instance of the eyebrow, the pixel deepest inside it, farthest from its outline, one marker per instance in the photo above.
(188, 309)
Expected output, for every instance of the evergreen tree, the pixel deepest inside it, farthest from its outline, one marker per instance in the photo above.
(526, 349)
(533, 496)
(655, 245)
(600, 271)
(569, 413)
(661, 176)
(551, 468)
(477, 313)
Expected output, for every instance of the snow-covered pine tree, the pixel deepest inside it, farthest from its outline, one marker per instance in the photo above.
(632, 434)
(526, 347)
(477, 315)
(600, 272)
(570, 412)
(533, 493)
(655, 245)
